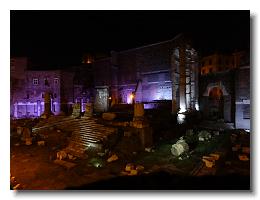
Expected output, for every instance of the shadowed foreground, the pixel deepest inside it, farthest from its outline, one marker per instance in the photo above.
(166, 181)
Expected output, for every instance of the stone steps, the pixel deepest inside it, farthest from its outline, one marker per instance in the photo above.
(86, 132)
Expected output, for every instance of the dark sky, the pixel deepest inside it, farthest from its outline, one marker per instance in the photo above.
(58, 38)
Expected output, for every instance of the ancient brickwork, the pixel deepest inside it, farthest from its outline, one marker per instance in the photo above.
(243, 98)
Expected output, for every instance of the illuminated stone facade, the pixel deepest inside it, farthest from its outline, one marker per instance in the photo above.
(216, 63)
(225, 88)
(151, 73)
(29, 88)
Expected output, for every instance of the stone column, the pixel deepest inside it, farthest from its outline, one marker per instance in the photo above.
(182, 81)
(88, 110)
(141, 126)
(173, 79)
(76, 110)
(138, 111)
(47, 105)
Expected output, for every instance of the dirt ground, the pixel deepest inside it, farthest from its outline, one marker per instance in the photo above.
(33, 167)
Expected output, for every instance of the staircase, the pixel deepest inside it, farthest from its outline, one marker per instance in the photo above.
(86, 132)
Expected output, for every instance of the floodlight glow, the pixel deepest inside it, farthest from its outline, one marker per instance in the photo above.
(197, 106)
(180, 118)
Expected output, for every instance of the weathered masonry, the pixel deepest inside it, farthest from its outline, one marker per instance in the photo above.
(149, 74)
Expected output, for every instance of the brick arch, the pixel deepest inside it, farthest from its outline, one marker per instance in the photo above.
(213, 85)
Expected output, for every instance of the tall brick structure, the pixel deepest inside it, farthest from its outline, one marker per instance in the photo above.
(225, 88)
(162, 71)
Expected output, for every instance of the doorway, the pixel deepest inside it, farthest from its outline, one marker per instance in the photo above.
(216, 104)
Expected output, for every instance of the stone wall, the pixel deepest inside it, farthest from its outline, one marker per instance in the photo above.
(29, 100)
(226, 82)
(243, 98)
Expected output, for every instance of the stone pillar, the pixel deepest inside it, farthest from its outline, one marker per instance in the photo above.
(47, 105)
(173, 79)
(182, 81)
(15, 110)
(88, 110)
(76, 110)
(142, 126)
(138, 111)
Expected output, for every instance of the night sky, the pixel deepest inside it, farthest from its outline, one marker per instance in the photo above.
(55, 39)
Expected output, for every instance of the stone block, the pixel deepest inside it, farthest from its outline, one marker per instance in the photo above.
(88, 110)
(19, 130)
(204, 135)
(129, 167)
(28, 141)
(114, 157)
(208, 162)
(61, 155)
(109, 116)
(243, 157)
(133, 172)
(215, 156)
(138, 110)
(179, 147)
(41, 143)
(139, 168)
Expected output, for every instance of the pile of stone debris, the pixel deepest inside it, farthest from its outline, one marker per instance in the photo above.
(240, 145)
(14, 184)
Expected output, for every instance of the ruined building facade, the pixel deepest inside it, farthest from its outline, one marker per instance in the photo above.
(162, 72)
(225, 88)
(28, 88)
(158, 72)
(165, 71)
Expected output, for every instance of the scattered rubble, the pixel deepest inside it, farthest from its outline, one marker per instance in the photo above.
(16, 186)
(204, 135)
(243, 157)
(129, 167)
(210, 160)
(61, 155)
(114, 157)
(41, 143)
(148, 149)
(139, 168)
(215, 156)
(132, 170)
(13, 183)
(133, 173)
(19, 130)
(28, 141)
(179, 147)
(96, 162)
(71, 157)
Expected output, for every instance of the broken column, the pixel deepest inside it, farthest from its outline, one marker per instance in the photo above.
(47, 105)
(138, 111)
(142, 126)
(89, 110)
(76, 110)
(26, 136)
(179, 147)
